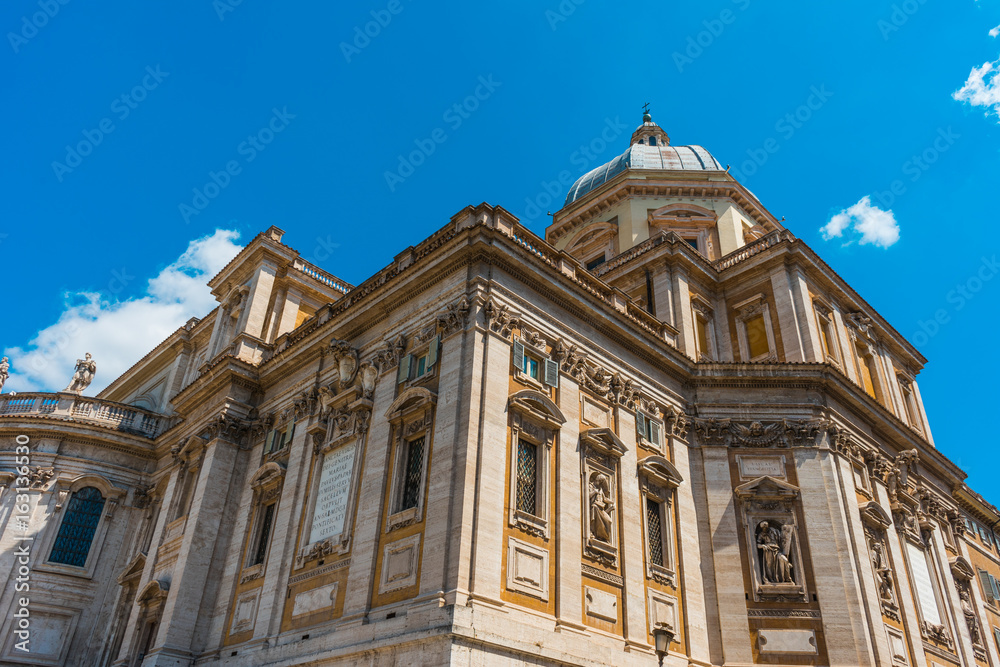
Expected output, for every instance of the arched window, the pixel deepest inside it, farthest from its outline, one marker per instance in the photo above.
(76, 533)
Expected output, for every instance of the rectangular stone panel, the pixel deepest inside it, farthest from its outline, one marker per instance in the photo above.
(601, 604)
(527, 569)
(323, 597)
(922, 584)
(786, 641)
(399, 564)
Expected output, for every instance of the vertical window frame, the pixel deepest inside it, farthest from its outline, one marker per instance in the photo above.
(413, 419)
(658, 482)
(746, 311)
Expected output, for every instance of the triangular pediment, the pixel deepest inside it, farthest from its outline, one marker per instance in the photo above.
(133, 569)
(767, 487)
(605, 441)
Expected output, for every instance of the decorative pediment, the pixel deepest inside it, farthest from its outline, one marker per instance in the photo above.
(660, 471)
(133, 570)
(153, 594)
(537, 405)
(767, 488)
(269, 473)
(414, 398)
(961, 569)
(873, 515)
(603, 440)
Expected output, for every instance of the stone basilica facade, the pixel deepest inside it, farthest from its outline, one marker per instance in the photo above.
(669, 416)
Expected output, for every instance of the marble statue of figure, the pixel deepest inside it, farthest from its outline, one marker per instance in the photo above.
(601, 507)
(775, 546)
(4, 371)
(970, 615)
(882, 571)
(85, 370)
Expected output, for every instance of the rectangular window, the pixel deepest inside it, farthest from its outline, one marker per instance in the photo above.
(757, 337)
(996, 637)
(991, 588)
(417, 365)
(535, 366)
(277, 439)
(702, 326)
(654, 531)
(412, 471)
(692, 242)
(527, 477)
(868, 372)
(596, 262)
(263, 534)
(649, 429)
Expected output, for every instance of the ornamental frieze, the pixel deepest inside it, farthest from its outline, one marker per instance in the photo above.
(757, 434)
(455, 317)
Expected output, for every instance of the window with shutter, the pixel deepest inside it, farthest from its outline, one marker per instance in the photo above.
(989, 586)
(551, 373)
(403, 373)
(432, 352)
(518, 356)
(996, 637)
(641, 424)
(655, 433)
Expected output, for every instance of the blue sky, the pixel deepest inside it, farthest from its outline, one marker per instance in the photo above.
(300, 117)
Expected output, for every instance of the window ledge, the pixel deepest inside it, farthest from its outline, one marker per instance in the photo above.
(524, 378)
(531, 524)
(66, 570)
(650, 445)
(402, 519)
(662, 575)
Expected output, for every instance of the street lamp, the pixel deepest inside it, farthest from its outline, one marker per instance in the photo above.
(662, 636)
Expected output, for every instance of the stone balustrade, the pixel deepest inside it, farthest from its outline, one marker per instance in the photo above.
(85, 409)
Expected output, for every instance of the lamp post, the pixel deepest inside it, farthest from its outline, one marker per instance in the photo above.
(662, 637)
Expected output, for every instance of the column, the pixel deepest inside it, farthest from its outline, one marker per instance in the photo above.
(728, 561)
(784, 304)
(568, 520)
(833, 565)
(691, 530)
(631, 549)
(682, 312)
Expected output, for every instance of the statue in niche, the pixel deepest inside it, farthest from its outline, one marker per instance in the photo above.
(85, 370)
(4, 371)
(601, 507)
(775, 544)
(883, 572)
(970, 615)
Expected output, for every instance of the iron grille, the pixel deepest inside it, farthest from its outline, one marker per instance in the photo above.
(411, 482)
(527, 476)
(265, 533)
(654, 532)
(83, 513)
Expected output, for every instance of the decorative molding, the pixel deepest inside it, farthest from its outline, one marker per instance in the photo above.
(757, 434)
(783, 613)
(325, 569)
(455, 317)
(603, 575)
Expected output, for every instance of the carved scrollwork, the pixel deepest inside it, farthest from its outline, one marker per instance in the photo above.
(501, 319)
(937, 633)
(455, 317)
(38, 477)
(388, 357)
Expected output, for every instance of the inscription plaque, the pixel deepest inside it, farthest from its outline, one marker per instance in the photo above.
(331, 496)
(923, 584)
(752, 467)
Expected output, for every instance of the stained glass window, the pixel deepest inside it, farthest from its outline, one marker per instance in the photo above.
(83, 513)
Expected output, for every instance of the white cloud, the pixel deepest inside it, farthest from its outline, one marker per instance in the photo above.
(995, 31)
(875, 226)
(982, 88)
(119, 333)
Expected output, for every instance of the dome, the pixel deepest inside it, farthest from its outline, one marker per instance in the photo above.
(642, 156)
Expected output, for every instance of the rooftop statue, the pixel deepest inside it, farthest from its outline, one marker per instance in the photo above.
(85, 370)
